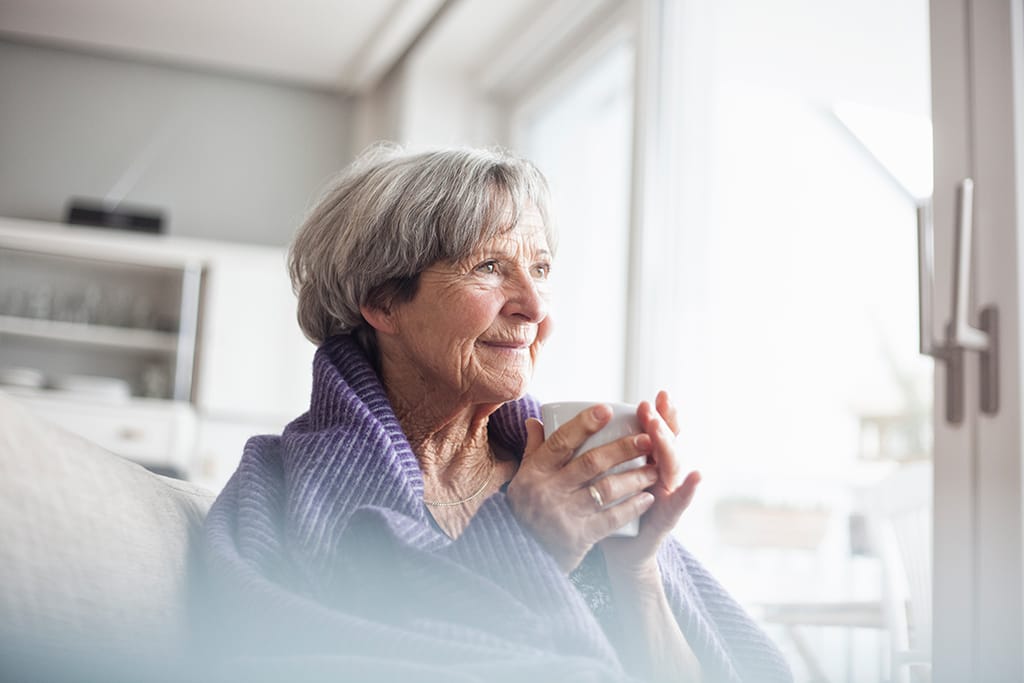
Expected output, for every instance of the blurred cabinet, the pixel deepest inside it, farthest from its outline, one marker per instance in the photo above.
(143, 343)
(90, 321)
(157, 434)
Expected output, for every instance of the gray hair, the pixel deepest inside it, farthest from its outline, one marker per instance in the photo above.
(391, 215)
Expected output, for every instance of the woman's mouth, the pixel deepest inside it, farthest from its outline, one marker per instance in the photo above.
(516, 345)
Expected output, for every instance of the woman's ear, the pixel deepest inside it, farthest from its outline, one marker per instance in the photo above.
(380, 319)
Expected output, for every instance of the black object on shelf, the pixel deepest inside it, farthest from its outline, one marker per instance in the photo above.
(99, 214)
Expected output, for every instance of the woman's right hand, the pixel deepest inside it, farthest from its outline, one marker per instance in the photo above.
(549, 494)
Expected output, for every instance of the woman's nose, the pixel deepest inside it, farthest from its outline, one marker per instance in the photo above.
(527, 298)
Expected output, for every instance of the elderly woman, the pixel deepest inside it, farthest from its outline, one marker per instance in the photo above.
(415, 523)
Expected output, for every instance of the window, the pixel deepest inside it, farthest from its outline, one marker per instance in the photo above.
(581, 138)
(795, 355)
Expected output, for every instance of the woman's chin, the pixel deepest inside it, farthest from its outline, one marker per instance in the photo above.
(506, 392)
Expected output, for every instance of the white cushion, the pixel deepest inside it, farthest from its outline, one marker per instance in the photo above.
(94, 550)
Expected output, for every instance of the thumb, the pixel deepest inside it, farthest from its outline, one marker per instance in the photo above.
(676, 503)
(684, 494)
(534, 435)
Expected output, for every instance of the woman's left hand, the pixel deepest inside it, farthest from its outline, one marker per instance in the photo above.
(637, 557)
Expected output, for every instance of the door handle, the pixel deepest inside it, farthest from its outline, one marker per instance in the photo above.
(939, 349)
(960, 335)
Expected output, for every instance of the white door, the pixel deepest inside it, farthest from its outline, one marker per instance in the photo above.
(977, 110)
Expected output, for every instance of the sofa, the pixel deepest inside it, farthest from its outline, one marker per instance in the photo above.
(97, 559)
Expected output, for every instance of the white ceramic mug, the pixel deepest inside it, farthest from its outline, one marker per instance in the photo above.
(623, 423)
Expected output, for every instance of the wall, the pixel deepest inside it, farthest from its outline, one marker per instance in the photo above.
(377, 112)
(443, 107)
(228, 158)
(437, 95)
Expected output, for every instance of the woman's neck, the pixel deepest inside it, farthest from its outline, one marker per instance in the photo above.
(448, 436)
(450, 448)
(450, 440)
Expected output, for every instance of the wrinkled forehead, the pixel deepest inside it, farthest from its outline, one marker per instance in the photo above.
(509, 209)
(528, 235)
(518, 218)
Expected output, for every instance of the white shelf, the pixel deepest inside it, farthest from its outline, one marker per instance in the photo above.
(243, 316)
(95, 335)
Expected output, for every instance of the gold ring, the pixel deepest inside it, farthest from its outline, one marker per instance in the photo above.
(596, 495)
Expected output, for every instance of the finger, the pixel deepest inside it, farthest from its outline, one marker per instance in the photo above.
(666, 515)
(566, 439)
(664, 451)
(645, 412)
(534, 436)
(598, 461)
(667, 410)
(683, 496)
(617, 516)
(615, 488)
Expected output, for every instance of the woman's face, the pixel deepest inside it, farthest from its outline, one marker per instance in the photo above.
(474, 328)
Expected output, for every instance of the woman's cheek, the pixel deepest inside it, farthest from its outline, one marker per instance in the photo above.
(544, 329)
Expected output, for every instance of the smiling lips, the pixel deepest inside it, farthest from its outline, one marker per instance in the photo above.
(513, 345)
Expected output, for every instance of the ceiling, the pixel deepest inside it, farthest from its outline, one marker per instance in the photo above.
(342, 45)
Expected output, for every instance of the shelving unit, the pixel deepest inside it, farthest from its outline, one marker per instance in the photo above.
(110, 324)
(67, 311)
(213, 323)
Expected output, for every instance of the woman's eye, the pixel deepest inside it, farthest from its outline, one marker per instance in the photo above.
(542, 270)
(488, 267)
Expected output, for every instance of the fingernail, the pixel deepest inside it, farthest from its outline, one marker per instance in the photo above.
(642, 442)
(601, 412)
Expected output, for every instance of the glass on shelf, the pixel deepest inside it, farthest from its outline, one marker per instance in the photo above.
(13, 301)
(88, 305)
(40, 303)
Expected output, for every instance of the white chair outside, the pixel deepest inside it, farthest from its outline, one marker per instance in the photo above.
(897, 513)
(901, 513)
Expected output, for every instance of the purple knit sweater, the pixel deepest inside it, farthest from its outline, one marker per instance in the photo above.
(324, 565)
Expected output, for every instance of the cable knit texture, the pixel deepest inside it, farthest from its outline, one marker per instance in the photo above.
(323, 565)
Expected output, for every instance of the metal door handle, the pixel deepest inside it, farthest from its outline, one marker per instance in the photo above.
(938, 349)
(927, 345)
(961, 336)
(964, 335)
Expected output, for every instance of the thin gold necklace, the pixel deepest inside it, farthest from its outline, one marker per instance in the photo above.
(475, 494)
